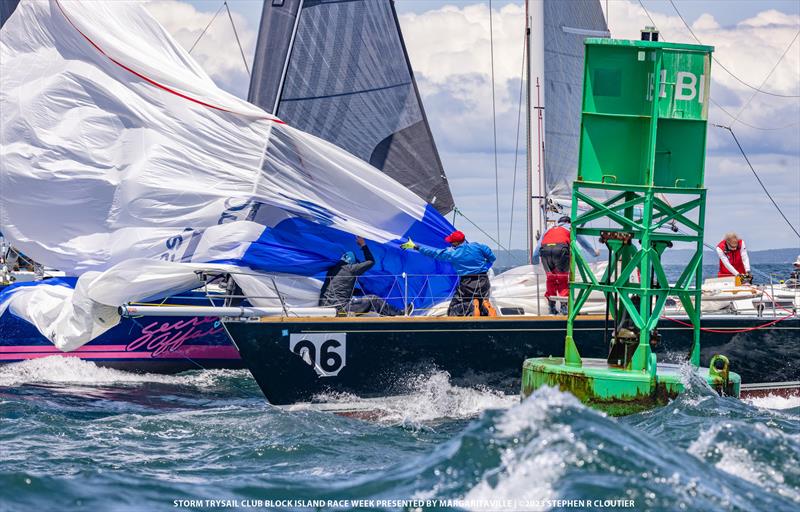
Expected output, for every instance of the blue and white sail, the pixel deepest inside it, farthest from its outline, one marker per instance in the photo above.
(122, 162)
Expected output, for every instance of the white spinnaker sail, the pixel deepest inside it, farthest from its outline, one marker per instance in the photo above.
(115, 147)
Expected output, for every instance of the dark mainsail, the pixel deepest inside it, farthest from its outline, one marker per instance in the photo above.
(566, 25)
(339, 69)
(6, 9)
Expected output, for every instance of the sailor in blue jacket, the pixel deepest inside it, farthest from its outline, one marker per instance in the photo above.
(471, 261)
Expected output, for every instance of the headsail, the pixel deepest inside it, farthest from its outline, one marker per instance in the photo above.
(566, 25)
(126, 152)
(340, 70)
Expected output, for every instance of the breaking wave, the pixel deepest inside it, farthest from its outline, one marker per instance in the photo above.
(73, 370)
(211, 435)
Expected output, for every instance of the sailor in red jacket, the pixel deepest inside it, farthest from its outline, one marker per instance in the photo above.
(555, 251)
(733, 260)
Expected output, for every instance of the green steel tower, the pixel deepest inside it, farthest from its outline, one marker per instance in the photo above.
(640, 189)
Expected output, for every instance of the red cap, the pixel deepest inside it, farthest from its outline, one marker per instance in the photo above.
(455, 236)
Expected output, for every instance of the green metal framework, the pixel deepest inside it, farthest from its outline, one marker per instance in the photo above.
(652, 288)
(642, 140)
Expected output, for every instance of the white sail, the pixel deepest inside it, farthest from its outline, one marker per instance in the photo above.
(115, 147)
(566, 25)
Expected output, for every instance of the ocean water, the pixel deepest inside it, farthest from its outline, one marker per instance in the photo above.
(77, 437)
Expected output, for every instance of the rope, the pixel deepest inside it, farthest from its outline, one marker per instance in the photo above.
(791, 125)
(236, 35)
(757, 89)
(747, 103)
(776, 303)
(764, 188)
(516, 146)
(494, 127)
(733, 331)
(204, 30)
(499, 245)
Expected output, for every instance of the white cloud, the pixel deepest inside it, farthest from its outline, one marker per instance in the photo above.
(749, 50)
(449, 50)
(217, 51)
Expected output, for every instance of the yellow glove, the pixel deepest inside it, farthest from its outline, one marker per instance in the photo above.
(409, 244)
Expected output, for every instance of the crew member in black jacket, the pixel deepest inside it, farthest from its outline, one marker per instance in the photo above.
(339, 286)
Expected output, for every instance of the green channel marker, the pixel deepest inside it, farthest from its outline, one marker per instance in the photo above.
(640, 182)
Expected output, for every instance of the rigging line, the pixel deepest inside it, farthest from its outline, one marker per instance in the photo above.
(766, 78)
(204, 30)
(499, 245)
(494, 128)
(791, 125)
(648, 14)
(721, 65)
(764, 188)
(516, 147)
(236, 35)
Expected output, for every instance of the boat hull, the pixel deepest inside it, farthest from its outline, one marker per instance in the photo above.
(297, 360)
(147, 344)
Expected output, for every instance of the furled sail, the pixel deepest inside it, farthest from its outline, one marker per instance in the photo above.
(125, 164)
(566, 25)
(340, 70)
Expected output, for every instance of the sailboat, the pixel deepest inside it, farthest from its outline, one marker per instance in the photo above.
(179, 185)
(155, 345)
(295, 358)
(301, 360)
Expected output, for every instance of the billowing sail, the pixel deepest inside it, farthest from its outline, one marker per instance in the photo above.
(122, 162)
(566, 25)
(340, 70)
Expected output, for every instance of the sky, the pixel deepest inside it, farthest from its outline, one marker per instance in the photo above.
(448, 45)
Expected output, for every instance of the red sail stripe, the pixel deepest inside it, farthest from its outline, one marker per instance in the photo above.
(149, 80)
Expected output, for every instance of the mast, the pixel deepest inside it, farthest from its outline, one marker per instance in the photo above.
(536, 199)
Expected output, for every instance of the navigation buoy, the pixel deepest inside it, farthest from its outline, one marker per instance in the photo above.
(640, 183)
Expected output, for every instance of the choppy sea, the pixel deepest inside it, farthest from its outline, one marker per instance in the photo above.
(77, 437)
(74, 436)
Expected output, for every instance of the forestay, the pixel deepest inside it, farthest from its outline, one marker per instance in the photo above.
(122, 162)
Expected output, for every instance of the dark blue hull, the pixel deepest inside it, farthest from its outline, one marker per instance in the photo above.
(294, 360)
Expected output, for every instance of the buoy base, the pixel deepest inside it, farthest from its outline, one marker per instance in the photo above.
(614, 390)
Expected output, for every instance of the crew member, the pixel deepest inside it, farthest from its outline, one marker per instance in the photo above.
(471, 262)
(339, 286)
(554, 247)
(733, 259)
(794, 276)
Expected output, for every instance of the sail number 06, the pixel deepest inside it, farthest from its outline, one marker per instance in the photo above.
(326, 352)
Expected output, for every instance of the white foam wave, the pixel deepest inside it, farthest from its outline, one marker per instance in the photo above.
(431, 398)
(774, 402)
(738, 460)
(73, 370)
(538, 453)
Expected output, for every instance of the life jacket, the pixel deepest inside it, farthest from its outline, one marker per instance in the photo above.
(556, 235)
(734, 256)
